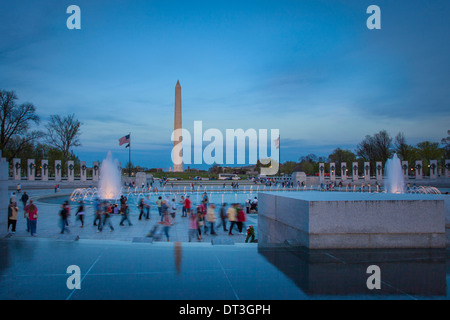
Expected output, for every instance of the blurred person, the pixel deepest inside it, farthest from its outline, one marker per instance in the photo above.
(64, 214)
(173, 210)
(232, 218)
(24, 199)
(223, 217)
(80, 213)
(193, 226)
(147, 205)
(13, 210)
(241, 218)
(125, 215)
(32, 217)
(211, 217)
(141, 208)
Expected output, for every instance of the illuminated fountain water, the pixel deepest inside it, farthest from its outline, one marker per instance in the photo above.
(395, 182)
(109, 187)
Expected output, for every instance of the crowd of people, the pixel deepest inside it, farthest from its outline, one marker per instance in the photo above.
(30, 212)
(203, 219)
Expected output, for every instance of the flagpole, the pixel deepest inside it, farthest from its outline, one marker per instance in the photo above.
(129, 157)
(279, 154)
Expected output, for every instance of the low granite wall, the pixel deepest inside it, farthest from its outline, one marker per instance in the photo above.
(325, 220)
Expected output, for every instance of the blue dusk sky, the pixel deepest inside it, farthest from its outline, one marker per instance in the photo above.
(309, 68)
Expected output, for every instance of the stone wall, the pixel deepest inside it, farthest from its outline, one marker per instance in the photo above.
(325, 220)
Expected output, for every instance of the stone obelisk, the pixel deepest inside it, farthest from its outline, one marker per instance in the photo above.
(177, 144)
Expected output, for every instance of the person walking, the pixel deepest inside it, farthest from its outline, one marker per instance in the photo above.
(141, 208)
(64, 214)
(13, 198)
(98, 213)
(164, 208)
(200, 222)
(13, 210)
(188, 205)
(147, 205)
(173, 210)
(80, 213)
(107, 210)
(24, 199)
(223, 217)
(232, 217)
(166, 222)
(125, 212)
(193, 226)
(32, 217)
(183, 210)
(158, 205)
(25, 215)
(211, 217)
(241, 218)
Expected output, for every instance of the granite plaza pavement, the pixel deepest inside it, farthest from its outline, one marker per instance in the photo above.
(49, 223)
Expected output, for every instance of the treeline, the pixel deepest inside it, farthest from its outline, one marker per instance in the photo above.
(378, 147)
(22, 135)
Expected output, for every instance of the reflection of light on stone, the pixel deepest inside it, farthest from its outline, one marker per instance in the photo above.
(178, 257)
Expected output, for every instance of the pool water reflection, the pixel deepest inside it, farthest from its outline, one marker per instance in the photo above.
(36, 269)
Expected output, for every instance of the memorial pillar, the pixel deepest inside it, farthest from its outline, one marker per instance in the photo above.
(44, 170)
(332, 171)
(405, 169)
(321, 172)
(433, 169)
(4, 196)
(83, 171)
(17, 169)
(419, 169)
(355, 171)
(95, 171)
(343, 171)
(366, 171)
(31, 169)
(379, 170)
(70, 171)
(58, 168)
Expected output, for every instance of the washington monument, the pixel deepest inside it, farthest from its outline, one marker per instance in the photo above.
(178, 156)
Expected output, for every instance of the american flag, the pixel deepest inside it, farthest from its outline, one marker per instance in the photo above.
(125, 139)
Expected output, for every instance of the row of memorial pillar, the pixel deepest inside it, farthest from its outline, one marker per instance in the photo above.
(43, 167)
(352, 172)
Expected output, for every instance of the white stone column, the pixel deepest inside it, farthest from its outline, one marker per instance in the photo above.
(366, 171)
(4, 195)
(44, 170)
(70, 171)
(17, 169)
(332, 171)
(31, 169)
(83, 171)
(433, 169)
(321, 172)
(58, 170)
(405, 169)
(355, 171)
(344, 171)
(95, 170)
(419, 169)
(447, 168)
(379, 170)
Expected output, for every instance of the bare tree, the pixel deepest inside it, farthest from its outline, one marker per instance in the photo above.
(15, 120)
(63, 133)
